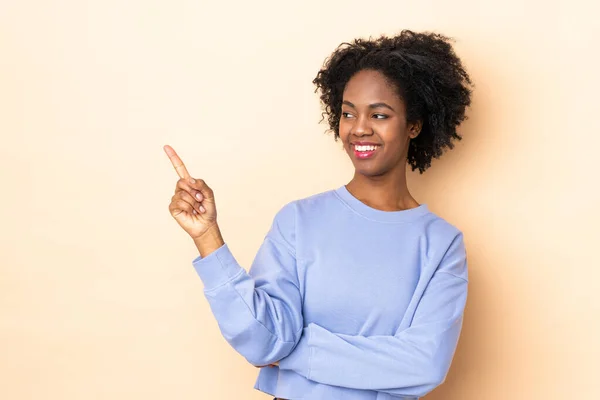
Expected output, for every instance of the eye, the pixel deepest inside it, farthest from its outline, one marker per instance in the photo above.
(383, 116)
(346, 114)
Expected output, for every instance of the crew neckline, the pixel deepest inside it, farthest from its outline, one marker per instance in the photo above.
(369, 212)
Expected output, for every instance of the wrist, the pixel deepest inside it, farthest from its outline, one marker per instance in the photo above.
(209, 241)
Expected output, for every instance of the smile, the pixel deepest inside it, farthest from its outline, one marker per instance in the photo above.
(365, 151)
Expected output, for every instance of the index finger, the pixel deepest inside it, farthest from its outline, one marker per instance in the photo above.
(177, 163)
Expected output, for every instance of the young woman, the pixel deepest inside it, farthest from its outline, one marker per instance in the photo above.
(358, 292)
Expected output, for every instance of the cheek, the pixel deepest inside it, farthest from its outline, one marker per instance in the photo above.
(393, 134)
(344, 129)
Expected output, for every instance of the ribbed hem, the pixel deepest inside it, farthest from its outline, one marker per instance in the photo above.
(216, 269)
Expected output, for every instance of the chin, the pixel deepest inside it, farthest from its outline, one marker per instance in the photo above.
(370, 172)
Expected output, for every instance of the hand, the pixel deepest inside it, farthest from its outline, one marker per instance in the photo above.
(193, 204)
(270, 365)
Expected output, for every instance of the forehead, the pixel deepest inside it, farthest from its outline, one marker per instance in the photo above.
(369, 86)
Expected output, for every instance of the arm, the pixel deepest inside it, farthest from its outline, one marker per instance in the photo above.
(259, 312)
(413, 361)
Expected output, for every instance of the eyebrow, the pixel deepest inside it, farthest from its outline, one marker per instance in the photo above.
(374, 105)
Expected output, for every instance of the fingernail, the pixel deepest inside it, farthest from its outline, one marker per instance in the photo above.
(192, 180)
(194, 211)
(202, 209)
(198, 196)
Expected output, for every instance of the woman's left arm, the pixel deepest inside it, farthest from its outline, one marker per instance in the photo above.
(413, 361)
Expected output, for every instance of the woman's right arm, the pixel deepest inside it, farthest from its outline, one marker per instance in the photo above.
(259, 312)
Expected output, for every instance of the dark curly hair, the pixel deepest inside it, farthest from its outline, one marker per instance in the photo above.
(427, 74)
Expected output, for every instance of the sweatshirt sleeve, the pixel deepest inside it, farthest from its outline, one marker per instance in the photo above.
(259, 312)
(410, 363)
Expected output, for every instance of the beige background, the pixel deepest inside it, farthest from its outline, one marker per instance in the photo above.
(98, 297)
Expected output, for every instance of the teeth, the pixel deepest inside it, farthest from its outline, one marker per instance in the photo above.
(365, 148)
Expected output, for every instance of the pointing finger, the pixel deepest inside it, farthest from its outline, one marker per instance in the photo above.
(177, 163)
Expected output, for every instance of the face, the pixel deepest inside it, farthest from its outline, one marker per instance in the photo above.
(373, 125)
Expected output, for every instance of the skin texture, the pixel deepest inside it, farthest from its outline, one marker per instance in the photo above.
(380, 181)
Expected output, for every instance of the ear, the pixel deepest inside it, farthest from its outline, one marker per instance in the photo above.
(415, 129)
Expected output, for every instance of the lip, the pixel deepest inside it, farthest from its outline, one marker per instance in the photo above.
(364, 144)
(363, 155)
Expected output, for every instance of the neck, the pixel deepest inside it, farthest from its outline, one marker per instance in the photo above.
(387, 192)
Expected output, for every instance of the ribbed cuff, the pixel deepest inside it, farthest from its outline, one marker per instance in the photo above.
(299, 358)
(216, 269)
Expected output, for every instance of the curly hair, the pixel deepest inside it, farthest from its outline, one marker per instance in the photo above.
(425, 71)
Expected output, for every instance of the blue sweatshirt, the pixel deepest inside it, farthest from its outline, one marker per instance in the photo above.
(355, 303)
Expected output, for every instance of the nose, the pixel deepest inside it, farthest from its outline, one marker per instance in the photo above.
(361, 127)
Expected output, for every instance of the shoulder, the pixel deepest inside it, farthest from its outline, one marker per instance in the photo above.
(446, 245)
(317, 200)
(441, 230)
(307, 205)
(285, 223)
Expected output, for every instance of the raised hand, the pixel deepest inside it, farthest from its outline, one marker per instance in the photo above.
(193, 204)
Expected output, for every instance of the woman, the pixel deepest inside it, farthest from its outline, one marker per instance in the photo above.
(357, 292)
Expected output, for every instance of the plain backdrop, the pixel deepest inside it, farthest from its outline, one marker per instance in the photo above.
(98, 297)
